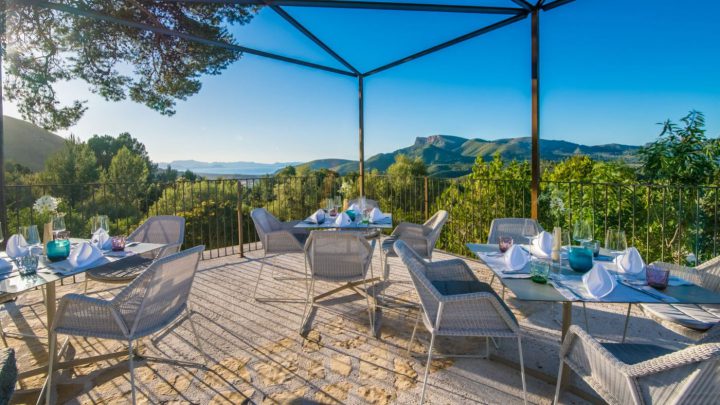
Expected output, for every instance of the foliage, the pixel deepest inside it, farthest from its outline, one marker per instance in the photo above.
(48, 47)
(75, 165)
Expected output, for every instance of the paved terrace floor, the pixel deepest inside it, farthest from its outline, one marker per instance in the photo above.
(257, 355)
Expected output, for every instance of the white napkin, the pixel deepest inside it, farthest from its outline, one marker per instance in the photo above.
(17, 246)
(377, 216)
(317, 218)
(5, 266)
(354, 207)
(101, 240)
(342, 219)
(541, 245)
(598, 281)
(516, 258)
(630, 262)
(84, 255)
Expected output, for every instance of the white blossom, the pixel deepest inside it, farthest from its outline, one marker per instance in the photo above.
(46, 204)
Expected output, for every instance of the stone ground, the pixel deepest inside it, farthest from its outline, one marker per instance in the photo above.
(257, 355)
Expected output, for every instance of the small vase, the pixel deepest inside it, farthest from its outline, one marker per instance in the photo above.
(346, 204)
(47, 235)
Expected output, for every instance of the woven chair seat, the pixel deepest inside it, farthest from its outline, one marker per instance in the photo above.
(120, 271)
(634, 353)
(698, 317)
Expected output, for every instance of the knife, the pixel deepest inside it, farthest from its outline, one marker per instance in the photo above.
(642, 290)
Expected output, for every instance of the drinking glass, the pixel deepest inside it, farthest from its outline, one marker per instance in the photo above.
(529, 231)
(2, 237)
(582, 231)
(539, 271)
(27, 265)
(580, 259)
(594, 246)
(504, 243)
(100, 222)
(31, 235)
(58, 223)
(615, 240)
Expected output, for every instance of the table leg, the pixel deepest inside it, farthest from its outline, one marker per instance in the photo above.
(50, 304)
(566, 322)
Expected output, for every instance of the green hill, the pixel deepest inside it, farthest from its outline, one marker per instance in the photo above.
(453, 156)
(28, 144)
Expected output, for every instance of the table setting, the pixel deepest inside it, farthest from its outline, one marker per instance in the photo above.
(355, 216)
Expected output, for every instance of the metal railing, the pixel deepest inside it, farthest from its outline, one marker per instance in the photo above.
(666, 222)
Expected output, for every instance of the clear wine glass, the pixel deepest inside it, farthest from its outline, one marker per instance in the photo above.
(2, 236)
(58, 223)
(615, 241)
(31, 235)
(529, 230)
(100, 222)
(582, 231)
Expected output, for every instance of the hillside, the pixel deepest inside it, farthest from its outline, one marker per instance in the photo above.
(225, 169)
(453, 156)
(28, 144)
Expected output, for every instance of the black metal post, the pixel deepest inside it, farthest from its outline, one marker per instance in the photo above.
(535, 154)
(3, 208)
(361, 133)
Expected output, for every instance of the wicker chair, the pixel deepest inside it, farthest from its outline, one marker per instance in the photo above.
(276, 237)
(8, 374)
(343, 258)
(690, 320)
(455, 303)
(150, 303)
(517, 228)
(163, 229)
(643, 373)
(421, 238)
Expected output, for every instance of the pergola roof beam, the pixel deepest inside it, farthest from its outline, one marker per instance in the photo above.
(370, 5)
(449, 43)
(189, 37)
(295, 23)
(524, 4)
(556, 3)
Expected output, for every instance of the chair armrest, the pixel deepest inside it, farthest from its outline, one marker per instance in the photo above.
(684, 272)
(282, 241)
(454, 269)
(86, 316)
(693, 354)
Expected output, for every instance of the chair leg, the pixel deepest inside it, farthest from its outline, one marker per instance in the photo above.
(412, 337)
(194, 330)
(587, 324)
(309, 299)
(257, 283)
(427, 368)
(559, 382)
(503, 292)
(522, 370)
(371, 311)
(132, 373)
(627, 322)
(86, 285)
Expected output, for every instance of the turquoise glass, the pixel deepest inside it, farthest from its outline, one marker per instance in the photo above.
(58, 249)
(580, 258)
(351, 214)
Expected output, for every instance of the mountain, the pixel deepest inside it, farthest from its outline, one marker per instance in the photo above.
(28, 144)
(227, 168)
(453, 156)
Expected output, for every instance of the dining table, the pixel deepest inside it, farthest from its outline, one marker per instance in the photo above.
(356, 225)
(48, 273)
(566, 286)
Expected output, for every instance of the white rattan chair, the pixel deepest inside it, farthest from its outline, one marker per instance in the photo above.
(339, 257)
(625, 373)
(150, 303)
(420, 238)
(455, 303)
(517, 228)
(276, 237)
(168, 230)
(690, 320)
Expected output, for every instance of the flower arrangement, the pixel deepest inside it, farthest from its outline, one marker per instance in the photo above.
(347, 189)
(46, 204)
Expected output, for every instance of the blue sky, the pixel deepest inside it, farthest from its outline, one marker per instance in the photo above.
(610, 70)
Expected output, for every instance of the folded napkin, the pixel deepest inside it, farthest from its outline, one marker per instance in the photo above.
(377, 216)
(354, 207)
(598, 281)
(342, 220)
(541, 245)
(101, 240)
(317, 218)
(630, 262)
(516, 258)
(5, 266)
(17, 246)
(84, 255)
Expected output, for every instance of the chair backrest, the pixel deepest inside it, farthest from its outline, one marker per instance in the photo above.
(516, 228)
(710, 274)
(338, 256)
(369, 204)
(165, 229)
(428, 294)
(264, 222)
(435, 224)
(155, 298)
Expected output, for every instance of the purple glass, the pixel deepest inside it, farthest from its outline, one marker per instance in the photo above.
(504, 243)
(657, 277)
(118, 243)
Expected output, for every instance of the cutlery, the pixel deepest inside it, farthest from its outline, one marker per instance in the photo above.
(662, 298)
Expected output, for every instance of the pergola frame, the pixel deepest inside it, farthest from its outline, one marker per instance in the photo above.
(522, 11)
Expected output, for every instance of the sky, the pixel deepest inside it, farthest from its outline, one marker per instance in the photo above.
(610, 70)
